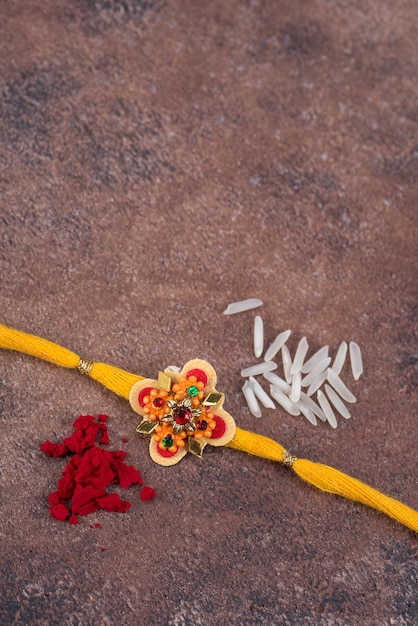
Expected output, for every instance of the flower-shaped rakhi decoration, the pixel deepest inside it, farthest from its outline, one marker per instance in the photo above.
(182, 411)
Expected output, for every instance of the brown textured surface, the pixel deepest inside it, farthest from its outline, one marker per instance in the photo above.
(157, 161)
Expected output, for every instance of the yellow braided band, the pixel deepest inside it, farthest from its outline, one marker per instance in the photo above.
(120, 382)
(117, 380)
(325, 478)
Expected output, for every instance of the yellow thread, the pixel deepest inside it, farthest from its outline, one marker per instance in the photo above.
(259, 445)
(333, 481)
(117, 380)
(12, 339)
(327, 478)
(321, 476)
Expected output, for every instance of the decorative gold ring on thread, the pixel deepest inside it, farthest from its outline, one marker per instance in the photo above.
(288, 459)
(84, 366)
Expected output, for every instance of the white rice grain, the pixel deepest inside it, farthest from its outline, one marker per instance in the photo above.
(326, 407)
(251, 400)
(277, 382)
(316, 410)
(306, 411)
(259, 392)
(259, 368)
(280, 340)
(258, 336)
(316, 371)
(315, 384)
(296, 387)
(339, 360)
(337, 402)
(356, 360)
(300, 354)
(287, 364)
(339, 386)
(243, 305)
(284, 401)
(314, 360)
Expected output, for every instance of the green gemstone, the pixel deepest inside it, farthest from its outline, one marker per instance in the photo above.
(167, 441)
(193, 391)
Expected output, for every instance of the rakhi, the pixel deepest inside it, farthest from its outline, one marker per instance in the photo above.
(182, 411)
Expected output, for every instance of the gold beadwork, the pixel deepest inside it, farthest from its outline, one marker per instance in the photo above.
(288, 459)
(84, 366)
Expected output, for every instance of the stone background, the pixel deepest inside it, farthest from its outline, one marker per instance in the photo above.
(159, 160)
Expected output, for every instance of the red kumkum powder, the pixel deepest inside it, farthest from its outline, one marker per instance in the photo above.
(82, 487)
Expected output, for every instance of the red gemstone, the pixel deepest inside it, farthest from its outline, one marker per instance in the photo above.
(182, 415)
(158, 402)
